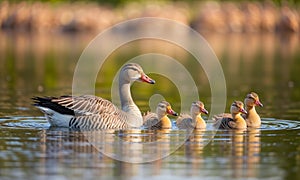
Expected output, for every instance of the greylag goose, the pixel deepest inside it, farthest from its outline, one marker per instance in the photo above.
(252, 118)
(193, 121)
(159, 120)
(233, 120)
(91, 112)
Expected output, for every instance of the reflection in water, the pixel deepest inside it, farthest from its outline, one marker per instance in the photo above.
(61, 146)
(237, 152)
(244, 149)
(193, 149)
(253, 151)
(133, 145)
(195, 143)
(76, 149)
(84, 149)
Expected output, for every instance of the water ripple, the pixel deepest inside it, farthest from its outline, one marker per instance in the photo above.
(40, 122)
(20, 122)
(279, 124)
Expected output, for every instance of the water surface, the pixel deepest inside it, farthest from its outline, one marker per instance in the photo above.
(43, 65)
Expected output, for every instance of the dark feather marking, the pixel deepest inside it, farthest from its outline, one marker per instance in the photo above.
(48, 103)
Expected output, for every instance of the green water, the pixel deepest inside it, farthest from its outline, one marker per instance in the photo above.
(40, 65)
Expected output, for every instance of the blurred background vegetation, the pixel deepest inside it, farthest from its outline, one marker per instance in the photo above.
(122, 2)
(97, 15)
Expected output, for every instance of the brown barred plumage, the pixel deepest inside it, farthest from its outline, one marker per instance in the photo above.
(86, 104)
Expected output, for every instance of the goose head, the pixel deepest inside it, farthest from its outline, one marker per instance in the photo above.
(198, 108)
(164, 108)
(252, 99)
(237, 107)
(133, 72)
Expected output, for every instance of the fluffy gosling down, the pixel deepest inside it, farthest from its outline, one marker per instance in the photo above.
(193, 121)
(159, 120)
(252, 118)
(233, 120)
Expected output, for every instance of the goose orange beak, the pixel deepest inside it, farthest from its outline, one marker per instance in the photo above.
(171, 111)
(147, 79)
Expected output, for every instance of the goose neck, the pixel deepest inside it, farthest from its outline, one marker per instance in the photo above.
(133, 113)
(125, 95)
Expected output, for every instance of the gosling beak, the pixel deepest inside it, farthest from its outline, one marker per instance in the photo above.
(242, 110)
(145, 78)
(258, 103)
(203, 110)
(171, 111)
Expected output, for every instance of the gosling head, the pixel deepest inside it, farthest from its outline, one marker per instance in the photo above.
(133, 72)
(237, 107)
(164, 108)
(252, 99)
(198, 108)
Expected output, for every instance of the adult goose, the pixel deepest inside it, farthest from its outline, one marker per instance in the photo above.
(91, 112)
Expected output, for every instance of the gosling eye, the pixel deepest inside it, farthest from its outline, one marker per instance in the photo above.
(162, 106)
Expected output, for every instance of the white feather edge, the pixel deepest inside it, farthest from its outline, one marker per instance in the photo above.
(55, 118)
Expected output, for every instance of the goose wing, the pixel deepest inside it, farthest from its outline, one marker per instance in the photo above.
(86, 105)
(87, 111)
(98, 121)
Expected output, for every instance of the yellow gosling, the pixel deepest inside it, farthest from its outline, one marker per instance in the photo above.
(159, 120)
(233, 120)
(252, 118)
(193, 121)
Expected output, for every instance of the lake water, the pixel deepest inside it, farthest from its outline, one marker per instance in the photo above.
(43, 65)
